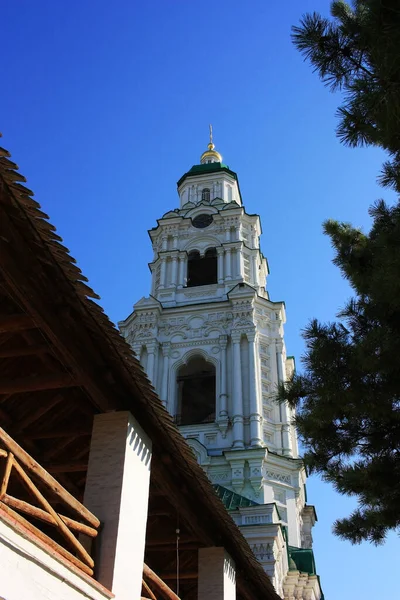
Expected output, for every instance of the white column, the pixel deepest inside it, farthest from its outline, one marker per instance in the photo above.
(237, 233)
(228, 272)
(253, 237)
(175, 241)
(228, 234)
(223, 409)
(181, 270)
(119, 463)
(164, 243)
(255, 270)
(255, 411)
(174, 270)
(239, 262)
(220, 254)
(163, 272)
(151, 350)
(237, 417)
(285, 412)
(164, 386)
(216, 575)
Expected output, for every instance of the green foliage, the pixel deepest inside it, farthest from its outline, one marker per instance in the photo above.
(348, 397)
(358, 52)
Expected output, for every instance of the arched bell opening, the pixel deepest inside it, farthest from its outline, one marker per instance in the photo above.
(196, 393)
(202, 270)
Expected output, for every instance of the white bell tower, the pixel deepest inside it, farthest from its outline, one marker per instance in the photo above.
(211, 341)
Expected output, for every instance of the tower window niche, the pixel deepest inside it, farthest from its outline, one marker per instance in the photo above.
(202, 270)
(196, 392)
(205, 195)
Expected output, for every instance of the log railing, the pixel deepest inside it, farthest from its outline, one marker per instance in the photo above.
(18, 467)
(154, 588)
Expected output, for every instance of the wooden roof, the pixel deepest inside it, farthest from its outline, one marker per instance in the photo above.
(62, 361)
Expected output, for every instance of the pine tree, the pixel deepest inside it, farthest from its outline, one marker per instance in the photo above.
(349, 394)
(348, 398)
(358, 52)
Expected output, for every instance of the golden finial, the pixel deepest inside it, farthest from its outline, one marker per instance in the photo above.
(210, 155)
(211, 144)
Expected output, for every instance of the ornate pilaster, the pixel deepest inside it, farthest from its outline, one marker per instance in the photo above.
(237, 466)
(174, 270)
(220, 254)
(223, 421)
(181, 269)
(239, 262)
(151, 353)
(238, 433)
(256, 463)
(255, 409)
(164, 386)
(285, 413)
(228, 266)
(254, 268)
(163, 270)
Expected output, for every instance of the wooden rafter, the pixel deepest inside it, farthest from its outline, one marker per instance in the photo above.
(52, 381)
(65, 432)
(38, 412)
(24, 350)
(13, 323)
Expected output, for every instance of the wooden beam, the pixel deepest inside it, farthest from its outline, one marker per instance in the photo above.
(13, 323)
(67, 467)
(148, 591)
(172, 547)
(5, 418)
(44, 516)
(33, 466)
(6, 475)
(188, 575)
(38, 412)
(79, 549)
(167, 542)
(52, 381)
(24, 350)
(57, 447)
(158, 584)
(161, 512)
(66, 432)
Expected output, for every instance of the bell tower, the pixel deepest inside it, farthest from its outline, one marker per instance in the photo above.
(212, 342)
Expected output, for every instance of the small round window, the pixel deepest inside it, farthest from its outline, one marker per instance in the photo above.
(202, 221)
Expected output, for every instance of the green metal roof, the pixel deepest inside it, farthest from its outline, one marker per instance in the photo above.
(207, 168)
(303, 558)
(231, 500)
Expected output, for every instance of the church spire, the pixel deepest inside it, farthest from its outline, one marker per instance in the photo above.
(210, 155)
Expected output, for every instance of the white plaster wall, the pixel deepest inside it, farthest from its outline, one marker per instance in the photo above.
(28, 572)
(191, 188)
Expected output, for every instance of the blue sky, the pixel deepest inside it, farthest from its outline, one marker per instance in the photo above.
(104, 106)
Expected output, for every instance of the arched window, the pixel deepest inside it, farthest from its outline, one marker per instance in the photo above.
(205, 195)
(196, 392)
(202, 270)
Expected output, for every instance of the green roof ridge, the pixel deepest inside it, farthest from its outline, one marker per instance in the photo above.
(207, 168)
(231, 499)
